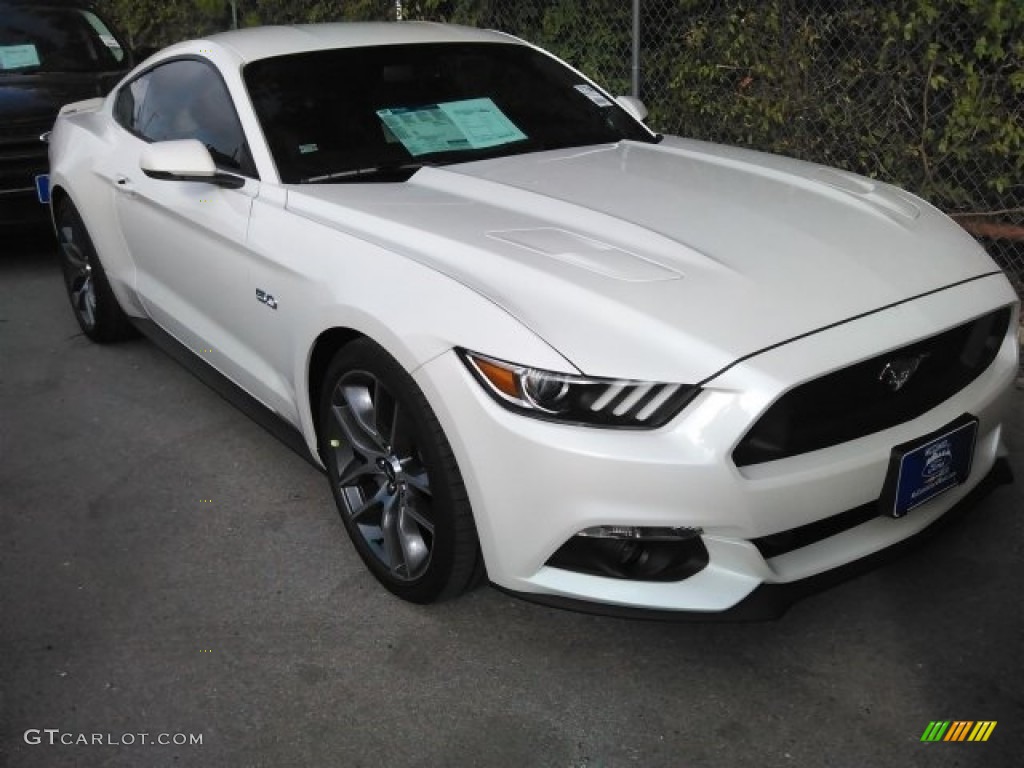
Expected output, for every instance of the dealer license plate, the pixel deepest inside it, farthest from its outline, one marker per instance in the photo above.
(43, 188)
(929, 466)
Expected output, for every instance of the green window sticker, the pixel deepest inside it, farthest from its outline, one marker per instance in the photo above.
(18, 56)
(593, 94)
(451, 126)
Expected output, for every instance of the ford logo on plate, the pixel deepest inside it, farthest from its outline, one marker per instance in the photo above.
(938, 459)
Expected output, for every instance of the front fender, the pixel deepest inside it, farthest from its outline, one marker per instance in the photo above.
(327, 279)
(81, 143)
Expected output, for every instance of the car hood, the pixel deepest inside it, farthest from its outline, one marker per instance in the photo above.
(665, 262)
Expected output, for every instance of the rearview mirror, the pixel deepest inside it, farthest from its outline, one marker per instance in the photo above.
(634, 106)
(185, 160)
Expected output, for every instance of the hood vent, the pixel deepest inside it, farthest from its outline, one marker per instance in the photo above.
(589, 254)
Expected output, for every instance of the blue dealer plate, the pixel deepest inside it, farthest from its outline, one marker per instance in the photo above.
(43, 188)
(925, 468)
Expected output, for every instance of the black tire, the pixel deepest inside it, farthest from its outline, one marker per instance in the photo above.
(394, 478)
(96, 309)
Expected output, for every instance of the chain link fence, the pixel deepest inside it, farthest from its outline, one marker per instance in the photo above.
(926, 94)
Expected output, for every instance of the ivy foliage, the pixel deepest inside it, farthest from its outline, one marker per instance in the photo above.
(928, 94)
(157, 23)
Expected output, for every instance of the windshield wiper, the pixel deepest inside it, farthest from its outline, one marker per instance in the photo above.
(364, 174)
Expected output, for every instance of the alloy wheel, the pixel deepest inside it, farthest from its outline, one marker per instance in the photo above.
(382, 479)
(78, 276)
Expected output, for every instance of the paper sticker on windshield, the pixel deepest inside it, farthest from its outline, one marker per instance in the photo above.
(451, 126)
(18, 56)
(593, 94)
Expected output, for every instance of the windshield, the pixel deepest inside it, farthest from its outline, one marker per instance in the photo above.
(360, 113)
(42, 39)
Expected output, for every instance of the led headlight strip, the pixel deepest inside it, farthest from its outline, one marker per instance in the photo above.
(586, 400)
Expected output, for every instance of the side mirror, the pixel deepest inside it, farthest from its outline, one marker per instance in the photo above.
(634, 106)
(185, 160)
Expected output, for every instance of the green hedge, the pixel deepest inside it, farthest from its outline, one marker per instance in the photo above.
(928, 94)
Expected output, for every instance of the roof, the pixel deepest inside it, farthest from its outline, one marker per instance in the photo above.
(255, 43)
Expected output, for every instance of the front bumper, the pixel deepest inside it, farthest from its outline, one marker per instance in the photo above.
(771, 601)
(534, 485)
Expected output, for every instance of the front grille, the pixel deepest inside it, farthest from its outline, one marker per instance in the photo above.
(22, 154)
(24, 132)
(855, 401)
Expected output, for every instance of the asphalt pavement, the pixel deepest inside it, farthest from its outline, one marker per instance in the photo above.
(169, 571)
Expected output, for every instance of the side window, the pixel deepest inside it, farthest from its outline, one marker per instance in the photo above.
(105, 35)
(185, 99)
(129, 100)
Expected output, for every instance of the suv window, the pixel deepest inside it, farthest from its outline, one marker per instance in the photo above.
(185, 99)
(54, 39)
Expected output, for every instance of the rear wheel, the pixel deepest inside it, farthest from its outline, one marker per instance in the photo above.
(394, 478)
(96, 309)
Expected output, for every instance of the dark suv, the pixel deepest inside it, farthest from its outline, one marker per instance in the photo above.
(51, 53)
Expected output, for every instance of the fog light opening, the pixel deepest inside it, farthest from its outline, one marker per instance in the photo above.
(631, 554)
(638, 553)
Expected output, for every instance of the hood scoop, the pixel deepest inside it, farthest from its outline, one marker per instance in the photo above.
(604, 259)
(889, 199)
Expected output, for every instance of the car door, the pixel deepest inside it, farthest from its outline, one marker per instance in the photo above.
(187, 238)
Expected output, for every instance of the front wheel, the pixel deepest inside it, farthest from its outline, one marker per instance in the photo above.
(96, 309)
(394, 477)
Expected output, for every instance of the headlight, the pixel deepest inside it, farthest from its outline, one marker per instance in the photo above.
(578, 399)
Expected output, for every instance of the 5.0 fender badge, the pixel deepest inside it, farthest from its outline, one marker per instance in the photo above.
(265, 298)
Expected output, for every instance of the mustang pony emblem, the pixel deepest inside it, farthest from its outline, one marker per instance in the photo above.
(897, 373)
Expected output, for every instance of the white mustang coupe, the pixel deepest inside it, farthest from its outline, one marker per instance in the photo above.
(528, 338)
